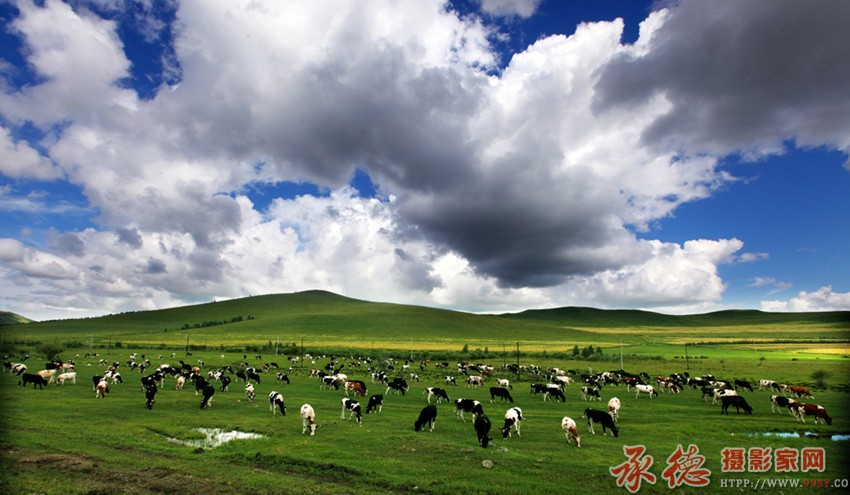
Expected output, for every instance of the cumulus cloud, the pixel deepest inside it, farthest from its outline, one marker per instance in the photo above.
(20, 161)
(522, 188)
(521, 8)
(740, 76)
(823, 299)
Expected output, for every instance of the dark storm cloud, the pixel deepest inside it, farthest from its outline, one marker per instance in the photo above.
(131, 237)
(741, 76)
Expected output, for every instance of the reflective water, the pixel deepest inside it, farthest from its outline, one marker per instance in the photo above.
(214, 437)
(836, 437)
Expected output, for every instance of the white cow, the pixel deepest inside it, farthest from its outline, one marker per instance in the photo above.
(308, 419)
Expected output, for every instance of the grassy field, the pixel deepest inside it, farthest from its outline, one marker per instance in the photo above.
(64, 440)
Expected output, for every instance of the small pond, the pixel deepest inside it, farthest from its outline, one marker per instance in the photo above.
(214, 437)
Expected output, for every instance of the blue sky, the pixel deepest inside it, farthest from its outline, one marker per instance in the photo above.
(478, 155)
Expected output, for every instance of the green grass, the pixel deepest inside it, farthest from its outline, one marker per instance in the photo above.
(63, 440)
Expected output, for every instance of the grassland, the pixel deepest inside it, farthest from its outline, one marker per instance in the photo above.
(63, 440)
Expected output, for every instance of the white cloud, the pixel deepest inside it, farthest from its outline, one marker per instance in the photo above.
(507, 8)
(508, 191)
(823, 299)
(20, 161)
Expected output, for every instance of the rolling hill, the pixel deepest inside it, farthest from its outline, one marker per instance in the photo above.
(335, 320)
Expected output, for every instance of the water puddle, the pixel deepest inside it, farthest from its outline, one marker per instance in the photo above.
(836, 437)
(214, 437)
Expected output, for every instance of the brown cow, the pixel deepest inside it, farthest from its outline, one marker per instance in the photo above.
(800, 410)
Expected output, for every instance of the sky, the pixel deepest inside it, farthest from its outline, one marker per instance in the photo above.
(479, 155)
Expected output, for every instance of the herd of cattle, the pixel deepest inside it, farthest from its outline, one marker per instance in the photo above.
(550, 383)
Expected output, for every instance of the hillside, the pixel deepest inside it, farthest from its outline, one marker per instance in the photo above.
(7, 318)
(328, 319)
(613, 318)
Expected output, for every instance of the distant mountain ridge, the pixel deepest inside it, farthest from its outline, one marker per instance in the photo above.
(8, 318)
(318, 302)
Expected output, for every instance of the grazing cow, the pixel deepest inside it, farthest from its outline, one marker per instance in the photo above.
(722, 392)
(555, 391)
(249, 392)
(180, 381)
(328, 382)
(252, 375)
(744, 384)
(538, 388)
(147, 381)
(603, 418)
(225, 383)
(18, 368)
(468, 405)
(450, 380)
(501, 393)
(649, 390)
(734, 400)
(513, 418)
(428, 415)
(800, 410)
(308, 419)
(355, 386)
(504, 383)
(437, 392)
(398, 384)
(475, 381)
(115, 377)
(276, 400)
(283, 377)
(570, 430)
(777, 402)
(590, 393)
(354, 407)
(614, 408)
(376, 402)
(150, 395)
(35, 379)
(72, 376)
(482, 429)
(799, 391)
(47, 374)
(102, 389)
(208, 392)
(768, 385)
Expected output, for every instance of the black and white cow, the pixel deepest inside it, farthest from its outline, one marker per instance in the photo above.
(428, 416)
(513, 418)
(437, 392)
(399, 385)
(777, 402)
(590, 393)
(225, 383)
(501, 393)
(150, 395)
(276, 401)
(603, 418)
(553, 390)
(376, 403)
(283, 377)
(744, 384)
(482, 429)
(450, 380)
(249, 391)
(354, 410)
(470, 406)
(208, 391)
(734, 400)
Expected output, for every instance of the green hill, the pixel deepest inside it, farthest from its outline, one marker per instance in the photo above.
(7, 318)
(331, 320)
